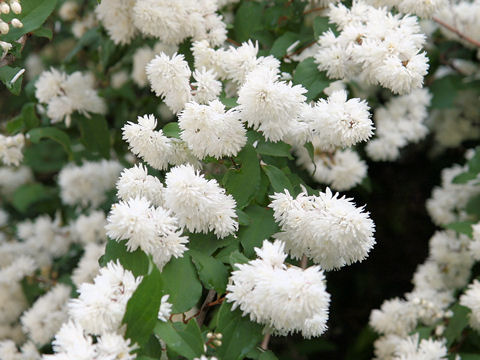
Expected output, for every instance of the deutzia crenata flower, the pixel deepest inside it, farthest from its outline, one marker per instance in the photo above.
(206, 85)
(471, 299)
(88, 266)
(422, 8)
(65, 94)
(116, 17)
(380, 48)
(100, 306)
(165, 309)
(152, 229)
(395, 316)
(11, 149)
(169, 78)
(462, 15)
(287, 299)
(90, 228)
(200, 205)
(11, 178)
(209, 130)
(135, 182)
(338, 121)
(411, 348)
(46, 315)
(341, 170)
(269, 105)
(330, 230)
(74, 342)
(86, 185)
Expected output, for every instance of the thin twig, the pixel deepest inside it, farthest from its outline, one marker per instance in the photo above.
(456, 31)
(304, 262)
(203, 310)
(266, 340)
(231, 41)
(313, 10)
(298, 51)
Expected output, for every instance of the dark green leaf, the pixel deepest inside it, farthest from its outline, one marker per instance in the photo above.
(473, 206)
(262, 226)
(308, 75)
(27, 195)
(95, 134)
(320, 25)
(137, 261)
(89, 38)
(249, 173)
(237, 257)
(248, 19)
(186, 340)
(456, 324)
(243, 218)
(7, 74)
(181, 283)
(267, 355)
(25, 121)
(464, 178)
(278, 179)
(444, 91)
(279, 148)
(43, 32)
(212, 273)
(281, 44)
(239, 334)
(142, 308)
(474, 162)
(50, 132)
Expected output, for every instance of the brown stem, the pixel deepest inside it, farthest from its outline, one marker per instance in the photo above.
(231, 41)
(203, 310)
(304, 262)
(266, 340)
(298, 51)
(457, 32)
(313, 10)
(217, 302)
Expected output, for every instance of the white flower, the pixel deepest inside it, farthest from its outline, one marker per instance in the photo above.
(328, 229)
(90, 228)
(146, 142)
(11, 149)
(200, 205)
(209, 130)
(207, 87)
(114, 346)
(88, 266)
(410, 348)
(100, 306)
(46, 315)
(170, 79)
(116, 16)
(152, 229)
(135, 182)
(86, 185)
(165, 309)
(269, 105)
(286, 299)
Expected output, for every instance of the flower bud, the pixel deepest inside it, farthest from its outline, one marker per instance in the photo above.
(4, 27)
(17, 23)
(4, 8)
(16, 7)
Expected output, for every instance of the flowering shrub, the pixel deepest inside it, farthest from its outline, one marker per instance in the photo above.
(181, 179)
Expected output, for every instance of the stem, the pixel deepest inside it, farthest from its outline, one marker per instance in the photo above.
(203, 310)
(231, 41)
(457, 32)
(266, 340)
(313, 10)
(296, 52)
(304, 262)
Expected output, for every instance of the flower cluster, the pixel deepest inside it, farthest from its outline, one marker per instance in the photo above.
(11, 149)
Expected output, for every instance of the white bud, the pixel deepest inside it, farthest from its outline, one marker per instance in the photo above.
(219, 336)
(4, 27)
(4, 8)
(210, 335)
(17, 23)
(16, 7)
(217, 342)
(5, 46)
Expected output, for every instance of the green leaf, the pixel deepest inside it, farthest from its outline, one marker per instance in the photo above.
(311, 78)
(95, 134)
(142, 308)
(320, 25)
(279, 148)
(456, 323)
(243, 218)
(43, 32)
(234, 180)
(25, 121)
(33, 15)
(239, 335)
(462, 227)
(262, 226)
(212, 273)
(7, 74)
(464, 178)
(282, 43)
(278, 179)
(237, 257)
(50, 132)
(248, 19)
(91, 37)
(172, 130)
(423, 332)
(137, 261)
(444, 91)
(186, 340)
(181, 283)
(474, 162)
(473, 206)
(27, 195)
(267, 355)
